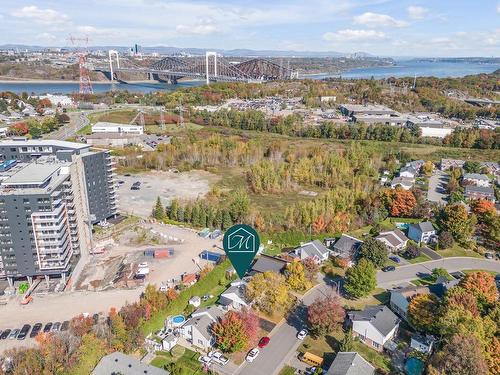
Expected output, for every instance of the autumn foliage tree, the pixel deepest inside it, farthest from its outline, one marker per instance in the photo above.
(319, 224)
(483, 207)
(325, 315)
(251, 323)
(230, 333)
(401, 202)
(311, 268)
(482, 285)
(269, 292)
(458, 297)
(422, 312)
(296, 276)
(361, 279)
(455, 219)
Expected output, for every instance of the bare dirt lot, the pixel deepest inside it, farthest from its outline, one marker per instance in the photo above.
(166, 185)
(107, 280)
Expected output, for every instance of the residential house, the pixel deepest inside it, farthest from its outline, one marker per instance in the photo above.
(195, 301)
(479, 192)
(268, 263)
(350, 363)
(451, 163)
(120, 363)
(404, 182)
(401, 297)
(416, 164)
(422, 343)
(313, 249)
(374, 326)
(395, 240)
(421, 232)
(188, 279)
(476, 179)
(162, 340)
(408, 172)
(234, 297)
(198, 329)
(346, 248)
(491, 166)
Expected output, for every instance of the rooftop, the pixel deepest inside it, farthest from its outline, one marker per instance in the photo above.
(350, 363)
(31, 173)
(269, 263)
(114, 124)
(424, 226)
(17, 142)
(476, 176)
(119, 363)
(380, 316)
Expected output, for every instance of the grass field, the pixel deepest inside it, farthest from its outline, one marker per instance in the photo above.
(458, 251)
(187, 364)
(287, 370)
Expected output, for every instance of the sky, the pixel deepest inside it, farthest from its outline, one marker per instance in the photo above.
(441, 28)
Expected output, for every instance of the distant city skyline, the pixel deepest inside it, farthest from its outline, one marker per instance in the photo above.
(446, 28)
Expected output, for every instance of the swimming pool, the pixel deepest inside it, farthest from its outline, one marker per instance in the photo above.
(177, 320)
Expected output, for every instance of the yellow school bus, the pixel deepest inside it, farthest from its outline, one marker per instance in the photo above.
(312, 359)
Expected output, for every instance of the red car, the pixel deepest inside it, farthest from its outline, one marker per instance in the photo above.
(264, 341)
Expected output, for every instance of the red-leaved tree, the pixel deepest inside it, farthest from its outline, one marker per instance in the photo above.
(325, 314)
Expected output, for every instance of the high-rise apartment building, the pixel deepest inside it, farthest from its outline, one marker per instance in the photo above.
(51, 192)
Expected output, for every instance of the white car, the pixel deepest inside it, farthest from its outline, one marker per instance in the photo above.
(252, 354)
(205, 359)
(218, 357)
(302, 334)
(143, 265)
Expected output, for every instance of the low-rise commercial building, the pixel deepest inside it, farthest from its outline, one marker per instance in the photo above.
(111, 127)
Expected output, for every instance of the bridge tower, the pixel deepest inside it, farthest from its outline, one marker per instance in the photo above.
(207, 60)
(112, 53)
(85, 83)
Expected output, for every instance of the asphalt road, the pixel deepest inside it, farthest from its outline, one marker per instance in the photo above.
(284, 342)
(437, 187)
(77, 121)
(414, 271)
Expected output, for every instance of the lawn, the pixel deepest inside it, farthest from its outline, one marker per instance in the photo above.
(86, 130)
(187, 363)
(429, 280)
(120, 116)
(421, 258)
(458, 251)
(375, 358)
(377, 297)
(287, 370)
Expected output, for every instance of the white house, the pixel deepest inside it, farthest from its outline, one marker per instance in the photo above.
(195, 301)
(314, 249)
(234, 296)
(404, 182)
(422, 343)
(421, 232)
(476, 179)
(59, 100)
(395, 240)
(198, 329)
(350, 363)
(374, 326)
(408, 172)
(111, 127)
(401, 297)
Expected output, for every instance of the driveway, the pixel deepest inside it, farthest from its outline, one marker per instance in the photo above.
(414, 271)
(431, 253)
(284, 342)
(437, 187)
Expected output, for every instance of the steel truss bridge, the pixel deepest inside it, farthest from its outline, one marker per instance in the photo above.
(210, 68)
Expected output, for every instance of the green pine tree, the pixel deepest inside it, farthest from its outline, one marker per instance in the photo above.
(159, 210)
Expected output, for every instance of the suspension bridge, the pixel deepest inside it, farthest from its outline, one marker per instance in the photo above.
(211, 68)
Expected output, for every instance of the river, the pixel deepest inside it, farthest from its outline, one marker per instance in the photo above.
(402, 68)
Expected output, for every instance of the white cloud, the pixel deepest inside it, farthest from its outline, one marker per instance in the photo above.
(416, 12)
(46, 37)
(353, 35)
(42, 16)
(202, 26)
(378, 20)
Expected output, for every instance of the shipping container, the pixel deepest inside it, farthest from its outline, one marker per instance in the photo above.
(149, 252)
(163, 253)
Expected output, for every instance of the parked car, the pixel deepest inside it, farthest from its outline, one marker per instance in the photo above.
(388, 269)
(264, 341)
(489, 256)
(252, 354)
(302, 334)
(205, 359)
(218, 357)
(47, 327)
(5, 334)
(56, 326)
(135, 187)
(143, 265)
(65, 325)
(395, 259)
(24, 332)
(14, 333)
(36, 328)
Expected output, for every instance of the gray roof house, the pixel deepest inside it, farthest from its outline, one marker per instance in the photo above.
(198, 329)
(408, 172)
(268, 263)
(375, 325)
(119, 363)
(395, 240)
(477, 179)
(234, 296)
(421, 232)
(346, 247)
(479, 192)
(314, 249)
(405, 182)
(350, 363)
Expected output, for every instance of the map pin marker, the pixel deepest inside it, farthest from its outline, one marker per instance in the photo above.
(241, 243)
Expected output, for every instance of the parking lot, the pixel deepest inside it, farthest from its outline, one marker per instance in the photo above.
(166, 185)
(437, 187)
